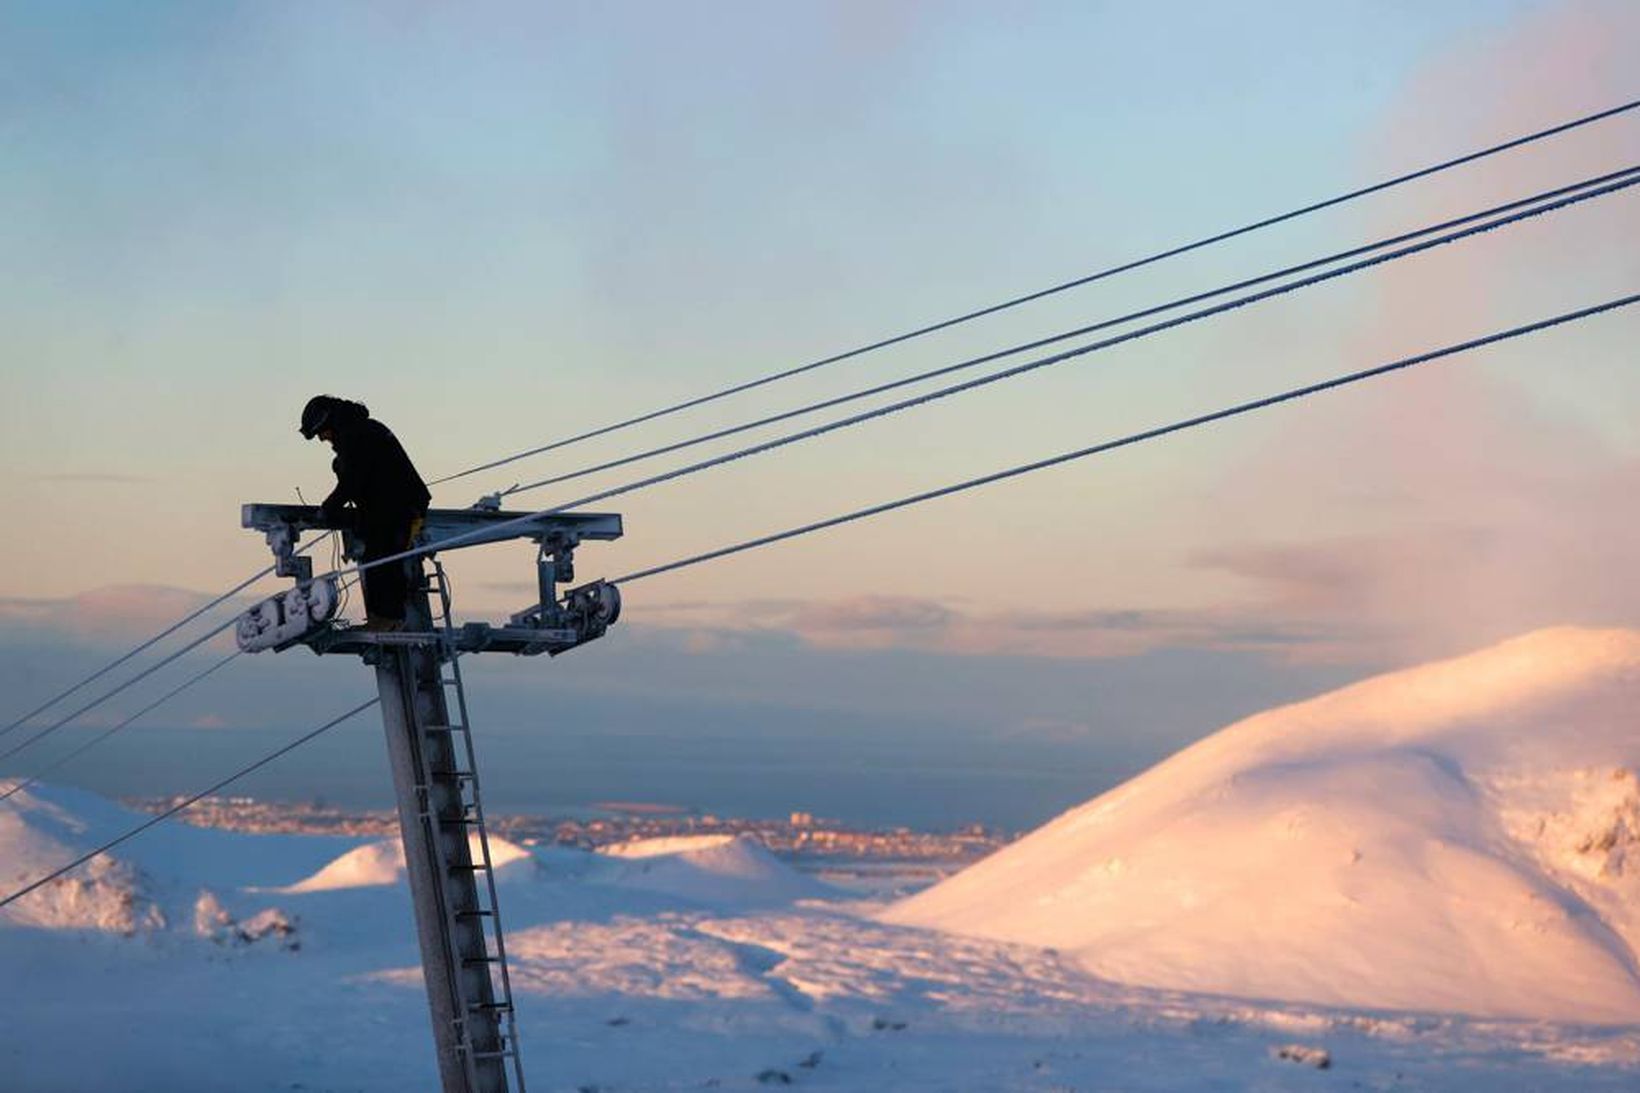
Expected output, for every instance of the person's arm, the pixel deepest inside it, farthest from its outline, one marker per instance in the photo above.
(332, 507)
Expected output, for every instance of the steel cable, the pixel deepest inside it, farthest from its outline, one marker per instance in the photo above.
(61, 760)
(1134, 438)
(189, 802)
(1105, 324)
(1384, 185)
(149, 644)
(105, 696)
(1495, 149)
(894, 407)
(139, 677)
(1017, 301)
(945, 491)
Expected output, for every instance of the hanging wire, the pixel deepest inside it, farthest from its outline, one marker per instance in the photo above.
(149, 644)
(1105, 324)
(757, 449)
(1078, 282)
(973, 483)
(1134, 438)
(198, 678)
(187, 803)
(111, 692)
(893, 407)
(1386, 184)
(61, 760)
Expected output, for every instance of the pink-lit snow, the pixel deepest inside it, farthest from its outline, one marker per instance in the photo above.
(1378, 879)
(1463, 836)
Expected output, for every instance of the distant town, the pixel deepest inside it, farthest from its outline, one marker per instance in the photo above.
(801, 837)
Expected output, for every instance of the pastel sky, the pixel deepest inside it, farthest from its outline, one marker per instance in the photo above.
(499, 224)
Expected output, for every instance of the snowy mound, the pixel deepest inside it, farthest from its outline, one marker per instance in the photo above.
(1463, 836)
(173, 878)
(382, 862)
(683, 844)
(42, 828)
(708, 869)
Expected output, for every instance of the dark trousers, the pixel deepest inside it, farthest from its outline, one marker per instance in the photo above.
(387, 587)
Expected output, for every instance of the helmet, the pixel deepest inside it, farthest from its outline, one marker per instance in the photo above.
(316, 413)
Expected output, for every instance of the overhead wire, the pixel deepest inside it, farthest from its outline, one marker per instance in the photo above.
(62, 722)
(149, 644)
(186, 803)
(1039, 294)
(1135, 438)
(60, 761)
(1165, 430)
(973, 362)
(1627, 180)
(152, 641)
(198, 678)
(894, 407)
(81, 711)
(860, 514)
(1517, 142)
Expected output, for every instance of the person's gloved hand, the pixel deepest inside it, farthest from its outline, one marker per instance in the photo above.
(335, 514)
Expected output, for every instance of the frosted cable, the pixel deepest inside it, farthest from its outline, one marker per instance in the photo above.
(894, 407)
(105, 734)
(1111, 271)
(1135, 438)
(195, 799)
(1105, 324)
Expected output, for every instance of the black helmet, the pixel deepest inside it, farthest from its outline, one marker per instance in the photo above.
(316, 413)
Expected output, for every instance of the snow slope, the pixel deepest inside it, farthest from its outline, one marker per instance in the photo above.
(1461, 837)
(172, 876)
(200, 960)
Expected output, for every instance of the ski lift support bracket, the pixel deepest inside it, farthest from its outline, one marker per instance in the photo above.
(553, 625)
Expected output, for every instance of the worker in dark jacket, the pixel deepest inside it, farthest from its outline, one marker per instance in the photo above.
(388, 499)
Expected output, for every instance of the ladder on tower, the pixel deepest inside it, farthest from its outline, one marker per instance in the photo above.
(429, 740)
(487, 1028)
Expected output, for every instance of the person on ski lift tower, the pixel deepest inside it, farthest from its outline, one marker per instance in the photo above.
(388, 498)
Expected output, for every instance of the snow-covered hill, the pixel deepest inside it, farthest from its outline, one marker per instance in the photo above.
(1462, 836)
(172, 879)
(382, 862)
(720, 869)
(38, 834)
(1459, 837)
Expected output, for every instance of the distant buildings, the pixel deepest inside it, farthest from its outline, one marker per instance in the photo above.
(800, 835)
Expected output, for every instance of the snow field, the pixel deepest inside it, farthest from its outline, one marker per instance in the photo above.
(1425, 882)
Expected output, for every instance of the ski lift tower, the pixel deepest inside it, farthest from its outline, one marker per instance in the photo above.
(430, 745)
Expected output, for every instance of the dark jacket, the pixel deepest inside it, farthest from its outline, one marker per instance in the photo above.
(372, 472)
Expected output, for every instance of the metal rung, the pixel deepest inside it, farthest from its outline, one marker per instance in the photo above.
(498, 1007)
(474, 961)
(444, 728)
(476, 867)
(460, 821)
(452, 775)
(508, 1054)
(475, 914)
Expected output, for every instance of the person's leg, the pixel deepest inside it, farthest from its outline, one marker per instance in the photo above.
(386, 587)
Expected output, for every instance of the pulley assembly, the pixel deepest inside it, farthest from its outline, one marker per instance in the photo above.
(306, 614)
